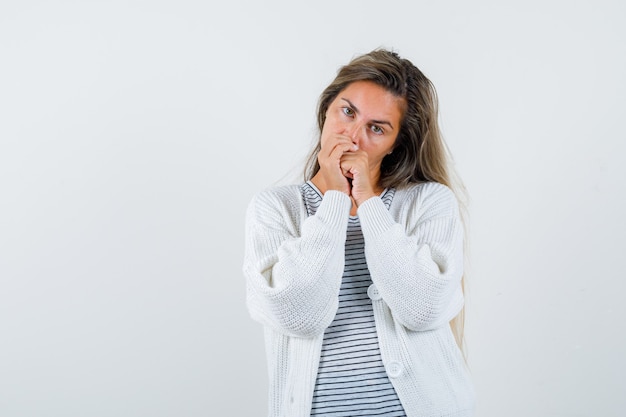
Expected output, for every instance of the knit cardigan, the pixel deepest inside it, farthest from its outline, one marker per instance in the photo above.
(293, 266)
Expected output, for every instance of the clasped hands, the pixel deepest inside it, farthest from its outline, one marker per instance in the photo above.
(345, 167)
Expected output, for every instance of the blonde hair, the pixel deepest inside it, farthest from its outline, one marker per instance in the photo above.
(420, 154)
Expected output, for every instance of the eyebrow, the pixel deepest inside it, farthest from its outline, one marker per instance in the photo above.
(356, 110)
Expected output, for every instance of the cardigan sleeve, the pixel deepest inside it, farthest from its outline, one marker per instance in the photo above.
(293, 266)
(417, 263)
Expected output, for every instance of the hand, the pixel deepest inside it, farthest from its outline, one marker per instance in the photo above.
(333, 147)
(355, 165)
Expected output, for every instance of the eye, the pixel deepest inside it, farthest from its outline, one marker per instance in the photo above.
(377, 129)
(348, 111)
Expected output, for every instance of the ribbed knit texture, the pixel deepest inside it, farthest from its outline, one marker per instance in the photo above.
(351, 377)
(414, 250)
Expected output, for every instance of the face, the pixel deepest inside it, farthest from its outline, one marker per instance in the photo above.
(368, 114)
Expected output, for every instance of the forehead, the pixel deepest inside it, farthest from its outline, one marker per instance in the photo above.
(371, 99)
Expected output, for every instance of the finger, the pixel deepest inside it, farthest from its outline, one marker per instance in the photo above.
(357, 157)
(344, 142)
(340, 150)
(354, 163)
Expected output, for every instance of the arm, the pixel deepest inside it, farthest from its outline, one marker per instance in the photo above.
(417, 266)
(293, 276)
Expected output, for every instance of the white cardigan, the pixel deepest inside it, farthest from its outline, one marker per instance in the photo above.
(414, 252)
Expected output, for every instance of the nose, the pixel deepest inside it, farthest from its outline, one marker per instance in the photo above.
(355, 131)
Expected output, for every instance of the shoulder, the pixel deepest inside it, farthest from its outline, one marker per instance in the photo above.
(428, 199)
(280, 201)
(281, 193)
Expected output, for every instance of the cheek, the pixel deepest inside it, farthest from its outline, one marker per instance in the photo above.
(331, 125)
(326, 128)
(379, 149)
(330, 129)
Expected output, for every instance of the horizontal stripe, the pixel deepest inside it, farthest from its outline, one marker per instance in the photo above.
(351, 379)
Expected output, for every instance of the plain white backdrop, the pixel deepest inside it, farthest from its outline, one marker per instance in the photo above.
(134, 133)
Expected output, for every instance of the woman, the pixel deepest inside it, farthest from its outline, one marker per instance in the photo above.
(356, 274)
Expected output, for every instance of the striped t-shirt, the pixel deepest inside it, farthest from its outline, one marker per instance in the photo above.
(351, 378)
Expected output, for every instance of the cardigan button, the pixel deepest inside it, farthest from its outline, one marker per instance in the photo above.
(394, 369)
(372, 292)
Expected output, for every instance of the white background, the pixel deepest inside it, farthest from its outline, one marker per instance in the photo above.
(133, 134)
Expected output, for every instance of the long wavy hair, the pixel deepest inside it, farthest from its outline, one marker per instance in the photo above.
(420, 153)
